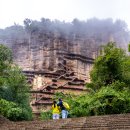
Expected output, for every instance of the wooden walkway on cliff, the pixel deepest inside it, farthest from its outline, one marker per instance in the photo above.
(64, 79)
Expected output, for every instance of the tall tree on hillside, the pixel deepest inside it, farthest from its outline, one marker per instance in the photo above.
(13, 84)
(112, 65)
(5, 62)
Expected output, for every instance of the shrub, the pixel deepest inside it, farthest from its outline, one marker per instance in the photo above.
(110, 101)
(46, 115)
(13, 112)
(5, 106)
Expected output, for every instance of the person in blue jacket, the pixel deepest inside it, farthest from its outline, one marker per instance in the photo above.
(64, 111)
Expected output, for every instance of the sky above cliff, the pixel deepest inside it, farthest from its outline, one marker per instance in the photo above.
(15, 11)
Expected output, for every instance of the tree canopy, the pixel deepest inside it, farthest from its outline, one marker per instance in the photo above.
(13, 87)
(112, 65)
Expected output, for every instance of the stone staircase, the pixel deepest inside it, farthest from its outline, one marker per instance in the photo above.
(107, 122)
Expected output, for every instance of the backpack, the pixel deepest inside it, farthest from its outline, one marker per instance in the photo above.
(66, 105)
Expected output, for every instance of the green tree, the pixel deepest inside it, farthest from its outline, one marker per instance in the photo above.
(5, 62)
(5, 55)
(112, 65)
(17, 84)
(129, 47)
(13, 84)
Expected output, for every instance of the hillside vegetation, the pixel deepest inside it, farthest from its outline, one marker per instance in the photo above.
(14, 96)
(109, 87)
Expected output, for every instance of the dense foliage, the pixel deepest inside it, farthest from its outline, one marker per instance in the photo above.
(13, 88)
(13, 111)
(46, 115)
(112, 65)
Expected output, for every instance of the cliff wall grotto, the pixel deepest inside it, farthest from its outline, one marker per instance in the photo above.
(43, 54)
(57, 56)
(54, 64)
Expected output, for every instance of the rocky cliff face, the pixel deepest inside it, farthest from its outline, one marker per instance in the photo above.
(54, 64)
(44, 52)
(58, 56)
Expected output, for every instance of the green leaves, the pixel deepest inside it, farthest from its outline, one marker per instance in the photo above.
(111, 65)
(106, 100)
(12, 111)
(13, 88)
(46, 115)
(129, 47)
(5, 54)
(5, 106)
